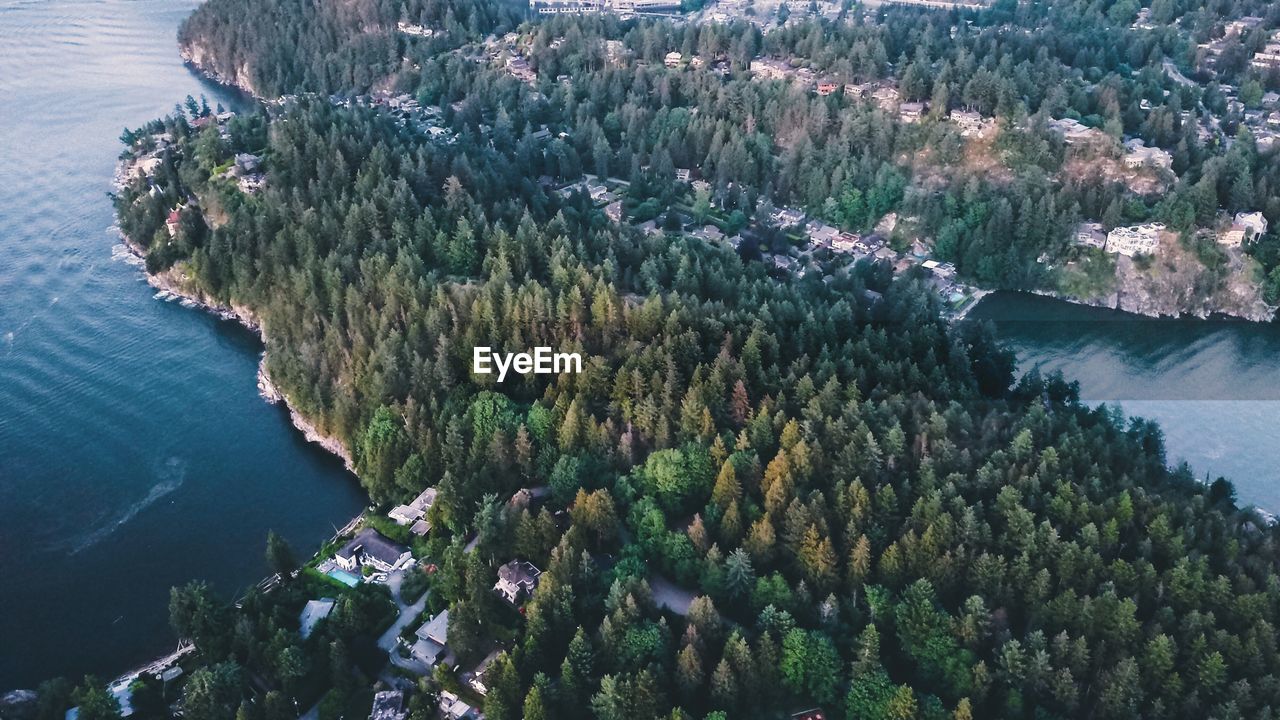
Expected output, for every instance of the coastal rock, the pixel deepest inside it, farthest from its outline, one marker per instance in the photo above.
(199, 57)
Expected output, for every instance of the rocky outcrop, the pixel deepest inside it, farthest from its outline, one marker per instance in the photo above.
(206, 63)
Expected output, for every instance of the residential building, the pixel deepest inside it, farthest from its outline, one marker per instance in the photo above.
(247, 163)
(568, 7)
(1073, 131)
(1253, 222)
(477, 681)
(1135, 239)
(432, 639)
(969, 122)
(371, 548)
(414, 514)
(673, 59)
(846, 242)
(1139, 155)
(312, 613)
(388, 705)
(821, 234)
(770, 68)
(613, 211)
(1090, 234)
(911, 112)
(517, 580)
(682, 175)
(173, 222)
(786, 217)
(520, 69)
(826, 88)
(886, 98)
(453, 708)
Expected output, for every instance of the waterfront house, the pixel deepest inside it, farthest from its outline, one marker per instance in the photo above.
(372, 549)
(1135, 239)
(517, 580)
(174, 222)
(312, 613)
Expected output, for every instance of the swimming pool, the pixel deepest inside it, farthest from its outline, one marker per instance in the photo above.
(344, 577)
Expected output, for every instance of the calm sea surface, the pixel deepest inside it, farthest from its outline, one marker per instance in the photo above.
(135, 453)
(1214, 386)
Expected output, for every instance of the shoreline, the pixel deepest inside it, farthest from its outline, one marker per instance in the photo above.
(173, 282)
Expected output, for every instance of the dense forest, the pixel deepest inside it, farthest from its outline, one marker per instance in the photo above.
(875, 515)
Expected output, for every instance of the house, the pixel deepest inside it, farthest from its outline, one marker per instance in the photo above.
(453, 708)
(911, 112)
(613, 211)
(682, 175)
(174, 222)
(1139, 155)
(672, 59)
(414, 514)
(857, 90)
(312, 613)
(821, 234)
(846, 242)
(826, 88)
(886, 97)
(969, 122)
(247, 163)
(1135, 239)
(770, 69)
(944, 270)
(1253, 222)
(373, 549)
(786, 217)
(432, 639)
(388, 705)
(520, 70)
(1072, 131)
(516, 580)
(477, 674)
(1090, 234)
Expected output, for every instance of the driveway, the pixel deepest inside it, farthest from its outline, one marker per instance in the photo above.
(390, 640)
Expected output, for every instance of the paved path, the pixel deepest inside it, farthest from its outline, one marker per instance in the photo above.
(390, 640)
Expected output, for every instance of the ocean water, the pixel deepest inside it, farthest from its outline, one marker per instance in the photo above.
(1213, 385)
(135, 453)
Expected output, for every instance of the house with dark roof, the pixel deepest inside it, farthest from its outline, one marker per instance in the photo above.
(517, 580)
(388, 705)
(372, 548)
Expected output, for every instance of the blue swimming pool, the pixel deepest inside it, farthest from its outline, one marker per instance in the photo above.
(344, 577)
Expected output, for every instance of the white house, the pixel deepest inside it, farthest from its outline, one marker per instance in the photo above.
(414, 514)
(1135, 239)
(1254, 224)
